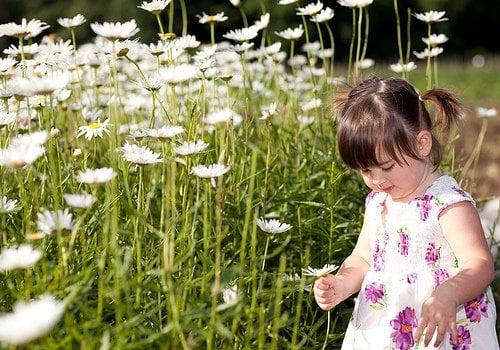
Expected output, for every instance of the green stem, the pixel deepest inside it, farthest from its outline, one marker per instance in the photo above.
(243, 15)
(398, 31)
(152, 120)
(351, 46)
(171, 17)
(265, 254)
(332, 45)
(408, 36)
(367, 30)
(320, 34)
(212, 33)
(159, 23)
(184, 18)
(358, 42)
(327, 331)
(428, 70)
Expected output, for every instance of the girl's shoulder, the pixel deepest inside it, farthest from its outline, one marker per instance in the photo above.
(374, 197)
(444, 192)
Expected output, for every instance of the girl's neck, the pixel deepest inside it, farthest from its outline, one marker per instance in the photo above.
(429, 176)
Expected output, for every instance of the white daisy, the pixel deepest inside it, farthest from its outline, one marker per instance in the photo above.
(286, 2)
(323, 16)
(269, 111)
(188, 41)
(165, 132)
(176, 74)
(18, 258)
(152, 83)
(325, 270)
(262, 22)
(37, 138)
(140, 155)
(59, 220)
(30, 320)
(188, 148)
(18, 157)
(95, 129)
(219, 17)
(244, 34)
(435, 51)
(310, 10)
(81, 201)
(7, 205)
(305, 120)
(24, 30)
(431, 16)
(435, 39)
(483, 112)
(222, 116)
(354, 3)
(272, 226)
(210, 171)
(155, 6)
(365, 63)
(115, 30)
(72, 22)
(291, 34)
(314, 103)
(95, 176)
(231, 296)
(399, 68)
(7, 118)
(6, 64)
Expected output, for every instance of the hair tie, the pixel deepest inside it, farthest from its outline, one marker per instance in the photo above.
(420, 98)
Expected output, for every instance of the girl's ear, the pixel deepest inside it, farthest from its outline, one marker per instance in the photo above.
(424, 143)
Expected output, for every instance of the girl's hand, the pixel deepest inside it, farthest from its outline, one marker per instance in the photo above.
(328, 291)
(438, 314)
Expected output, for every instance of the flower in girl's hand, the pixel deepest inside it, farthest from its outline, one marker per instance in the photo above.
(325, 270)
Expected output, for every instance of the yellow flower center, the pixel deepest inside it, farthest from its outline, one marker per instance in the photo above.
(95, 126)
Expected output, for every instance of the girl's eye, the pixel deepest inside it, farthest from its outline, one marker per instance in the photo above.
(388, 168)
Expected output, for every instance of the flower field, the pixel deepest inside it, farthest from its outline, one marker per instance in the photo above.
(184, 195)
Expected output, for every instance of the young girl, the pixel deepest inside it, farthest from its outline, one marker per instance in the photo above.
(421, 263)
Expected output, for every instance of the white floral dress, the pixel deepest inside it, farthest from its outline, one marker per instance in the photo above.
(409, 258)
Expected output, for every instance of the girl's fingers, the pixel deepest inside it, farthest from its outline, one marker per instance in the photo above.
(319, 284)
(441, 330)
(431, 328)
(454, 332)
(326, 306)
(422, 323)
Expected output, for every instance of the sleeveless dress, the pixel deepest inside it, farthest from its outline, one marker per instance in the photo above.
(409, 258)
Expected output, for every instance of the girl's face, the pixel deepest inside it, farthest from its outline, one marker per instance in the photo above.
(401, 182)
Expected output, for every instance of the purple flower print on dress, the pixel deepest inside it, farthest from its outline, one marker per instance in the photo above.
(403, 326)
(440, 275)
(425, 205)
(460, 191)
(374, 292)
(370, 197)
(464, 339)
(432, 255)
(476, 308)
(403, 242)
(411, 278)
(378, 256)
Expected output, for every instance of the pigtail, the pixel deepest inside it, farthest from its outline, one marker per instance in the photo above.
(339, 101)
(449, 111)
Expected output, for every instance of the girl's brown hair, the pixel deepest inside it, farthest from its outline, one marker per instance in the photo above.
(387, 114)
